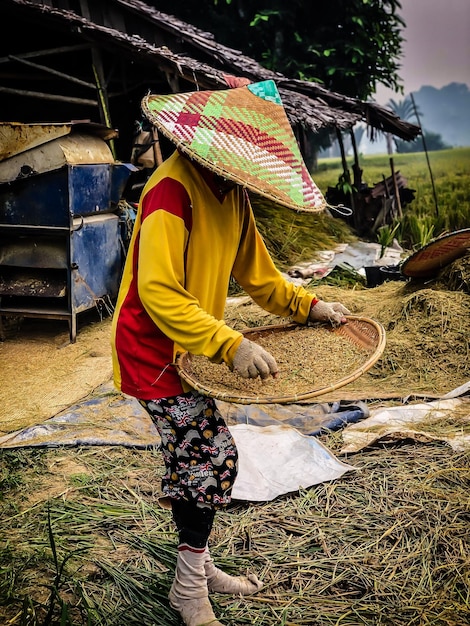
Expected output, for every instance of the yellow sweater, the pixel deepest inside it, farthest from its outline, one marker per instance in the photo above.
(187, 242)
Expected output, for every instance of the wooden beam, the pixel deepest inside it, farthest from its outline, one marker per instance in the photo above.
(44, 68)
(395, 189)
(40, 53)
(48, 96)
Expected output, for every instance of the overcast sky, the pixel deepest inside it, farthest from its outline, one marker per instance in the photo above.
(437, 45)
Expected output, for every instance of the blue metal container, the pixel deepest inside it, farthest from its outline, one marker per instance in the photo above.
(55, 198)
(60, 241)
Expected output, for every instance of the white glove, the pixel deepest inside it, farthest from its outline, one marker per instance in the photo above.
(251, 361)
(332, 312)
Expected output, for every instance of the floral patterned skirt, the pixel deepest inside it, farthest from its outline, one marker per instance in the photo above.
(199, 452)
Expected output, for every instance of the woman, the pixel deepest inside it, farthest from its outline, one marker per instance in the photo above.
(194, 230)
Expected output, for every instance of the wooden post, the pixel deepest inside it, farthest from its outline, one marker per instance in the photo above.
(157, 151)
(395, 187)
(415, 108)
(103, 103)
(357, 172)
(343, 154)
(347, 176)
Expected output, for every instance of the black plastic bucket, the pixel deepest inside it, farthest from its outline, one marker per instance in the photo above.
(378, 274)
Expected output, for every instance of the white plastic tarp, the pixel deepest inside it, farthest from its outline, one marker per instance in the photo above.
(274, 460)
(445, 420)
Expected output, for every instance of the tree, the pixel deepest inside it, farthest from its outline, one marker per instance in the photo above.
(405, 109)
(349, 47)
(433, 141)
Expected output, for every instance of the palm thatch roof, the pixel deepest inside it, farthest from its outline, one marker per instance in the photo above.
(105, 55)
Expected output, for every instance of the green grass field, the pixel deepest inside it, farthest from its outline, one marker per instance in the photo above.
(450, 170)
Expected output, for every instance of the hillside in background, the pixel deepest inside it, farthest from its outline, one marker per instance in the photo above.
(445, 111)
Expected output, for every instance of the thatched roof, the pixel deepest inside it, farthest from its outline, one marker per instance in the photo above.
(321, 107)
(138, 49)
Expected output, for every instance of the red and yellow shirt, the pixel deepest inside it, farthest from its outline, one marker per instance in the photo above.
(187, 241)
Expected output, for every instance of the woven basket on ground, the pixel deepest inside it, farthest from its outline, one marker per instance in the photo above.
(313, 360)
(431, 258)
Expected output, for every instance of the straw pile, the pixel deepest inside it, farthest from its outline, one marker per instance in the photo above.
(428, 336)
(43, 373)
(456, 276)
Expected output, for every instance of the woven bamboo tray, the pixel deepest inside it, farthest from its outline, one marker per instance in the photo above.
(346, 353)
(430, 259)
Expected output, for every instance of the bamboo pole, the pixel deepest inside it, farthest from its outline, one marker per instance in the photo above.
(427, 155)
(49, 70)
(102, 94)
(347, 176)
(48, 96)
(395, 187)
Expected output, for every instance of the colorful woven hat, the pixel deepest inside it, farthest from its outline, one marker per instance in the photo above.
(242, 134)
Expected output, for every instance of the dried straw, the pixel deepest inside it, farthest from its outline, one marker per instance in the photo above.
(385, 545)
(428, 337)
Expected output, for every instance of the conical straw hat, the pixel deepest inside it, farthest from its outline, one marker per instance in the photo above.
(242, 134)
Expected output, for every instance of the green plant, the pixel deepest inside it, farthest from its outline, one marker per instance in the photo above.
(58, 609)
(425, 232)
(344, 184)
(420, 229)
(343, 275)
(386, 235)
